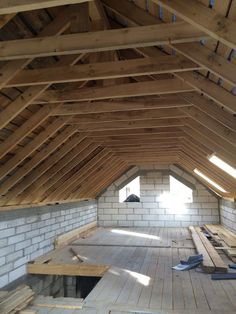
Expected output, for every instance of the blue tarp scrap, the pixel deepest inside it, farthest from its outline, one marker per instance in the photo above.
(192, 262)
(232, 266)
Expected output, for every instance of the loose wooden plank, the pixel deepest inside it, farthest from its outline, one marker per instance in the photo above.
(66, 238)
(59, 303)
(226, 235)
(215, 257)
(80, 43)
(81, 269)
(207, 263)
(16, 300)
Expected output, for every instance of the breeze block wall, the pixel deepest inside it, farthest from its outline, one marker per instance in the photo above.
(152, 211)
(228, 214)
(28, 233)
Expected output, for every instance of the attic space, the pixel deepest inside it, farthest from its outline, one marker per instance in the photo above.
(117, 156)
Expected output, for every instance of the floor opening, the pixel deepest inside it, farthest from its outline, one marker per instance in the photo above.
(79, 286)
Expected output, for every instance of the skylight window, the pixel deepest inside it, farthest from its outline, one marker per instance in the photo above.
(217, 186)
(223, 165)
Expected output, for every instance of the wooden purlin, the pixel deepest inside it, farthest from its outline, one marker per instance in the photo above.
(81, 43)
(133, 115)
(103, 70)
(165, 86)
(79, 108)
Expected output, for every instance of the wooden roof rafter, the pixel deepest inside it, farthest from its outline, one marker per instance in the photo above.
(122, 108)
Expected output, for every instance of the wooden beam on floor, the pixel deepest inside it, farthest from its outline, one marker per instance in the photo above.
(81, 269)
(220, 266)
(80, 43)
(207, 264)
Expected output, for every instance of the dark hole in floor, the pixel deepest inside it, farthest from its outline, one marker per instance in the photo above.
(79, 286)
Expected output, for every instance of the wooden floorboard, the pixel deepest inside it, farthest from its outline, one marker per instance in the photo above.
(141, 280)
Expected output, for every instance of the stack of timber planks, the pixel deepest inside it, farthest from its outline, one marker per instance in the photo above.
(16, 300)
(224, 238)
(59, 303)
(212, 262)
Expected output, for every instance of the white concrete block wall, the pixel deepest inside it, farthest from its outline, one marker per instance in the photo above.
(228, 214)
(28, 233)
(151, 211)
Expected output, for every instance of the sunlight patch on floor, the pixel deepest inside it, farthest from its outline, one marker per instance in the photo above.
(135, 234)
(142, 279)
